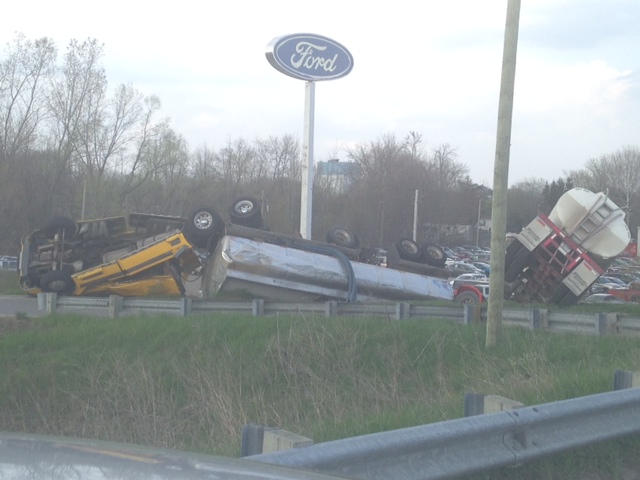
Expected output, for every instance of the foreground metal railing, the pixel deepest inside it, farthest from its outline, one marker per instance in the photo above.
(474, 444)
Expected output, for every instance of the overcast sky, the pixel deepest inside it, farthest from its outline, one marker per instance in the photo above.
(432, 67)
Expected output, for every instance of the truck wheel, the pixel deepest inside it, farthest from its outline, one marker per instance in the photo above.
(519, 262)
(342, 238)
(408, 250)
(433, 255)
(57, 281)
(55, 224)
(202, 224)
(246, 211)
(467, 297)
(560, 292)
(512, 250)
(568, 300)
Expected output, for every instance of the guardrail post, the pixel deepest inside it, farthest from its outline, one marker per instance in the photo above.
(257, 307)
(115, 306)
(473, 404)
(496, 403)
(51, 303)
(276, 439)
(625, 379)
(252, 438)
(185, 306)
(478, 404)
(606, 323)
(472, 313)
(403, 311)
(42, 300)
(330, 308)
(539, 319)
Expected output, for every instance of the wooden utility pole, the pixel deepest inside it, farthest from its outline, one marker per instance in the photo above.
(501, 175)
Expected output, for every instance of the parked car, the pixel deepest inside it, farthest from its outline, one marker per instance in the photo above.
(451, 254)
(469, 279)
(603, 284)
(625, 277)
(463, 267)
(602, 298)
(8, 262)
(485, 267)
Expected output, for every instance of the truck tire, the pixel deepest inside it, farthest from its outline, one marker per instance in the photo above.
(57, 281)
(568, 300)
(342, 238)
(559, 293)
(520, 260)
(467, 297)
(202, 224)
(246, 211)
(55, 224)
(408, 250)
(512, 250)
(433, 255)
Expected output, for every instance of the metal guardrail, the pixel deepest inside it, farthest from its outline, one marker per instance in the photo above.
(474, 444)
(532, 318)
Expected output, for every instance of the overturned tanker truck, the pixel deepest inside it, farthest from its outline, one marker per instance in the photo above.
(556, 258)
(279, 267)
(202, 255)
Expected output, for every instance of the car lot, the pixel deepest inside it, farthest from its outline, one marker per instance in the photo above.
(602, 298)
(8, 262)
(460, 267)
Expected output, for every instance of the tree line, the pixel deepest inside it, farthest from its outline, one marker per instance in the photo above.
(616, 173)
(71, 145)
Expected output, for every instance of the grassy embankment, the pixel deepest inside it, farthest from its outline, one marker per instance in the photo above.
(9, 283)
(192, 383)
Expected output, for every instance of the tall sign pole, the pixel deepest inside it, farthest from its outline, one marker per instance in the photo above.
(306, 197)
(501, 175)
(308, 57)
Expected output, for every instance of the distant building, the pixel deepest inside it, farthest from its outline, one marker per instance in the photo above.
(337, 175)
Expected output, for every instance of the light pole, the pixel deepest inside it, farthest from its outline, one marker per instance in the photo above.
(480, 200)
(478, 224)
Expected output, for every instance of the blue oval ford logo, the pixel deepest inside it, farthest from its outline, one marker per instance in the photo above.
(309, 57)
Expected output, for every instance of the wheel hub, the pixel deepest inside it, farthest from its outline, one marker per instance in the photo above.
(203, 220)
(244, 207)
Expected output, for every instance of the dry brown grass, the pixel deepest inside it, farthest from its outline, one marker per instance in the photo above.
(192, 384)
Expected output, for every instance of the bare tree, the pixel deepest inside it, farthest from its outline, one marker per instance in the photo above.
(234, 163)
(24, 73)
(75, 93)
(23, 76)
(445, 172)
(380, 207)
(525, 200)
(449, 196)
(624, 172)
(109, 128)
(617, 173)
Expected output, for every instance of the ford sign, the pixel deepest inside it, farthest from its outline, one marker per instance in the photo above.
(309, 57)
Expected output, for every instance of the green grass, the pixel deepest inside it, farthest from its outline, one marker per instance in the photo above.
(9, 283)
(192, 383)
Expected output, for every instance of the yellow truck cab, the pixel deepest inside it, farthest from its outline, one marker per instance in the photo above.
(146, 255)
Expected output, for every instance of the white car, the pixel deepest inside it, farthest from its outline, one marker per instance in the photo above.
(464, 267)
(469, 279)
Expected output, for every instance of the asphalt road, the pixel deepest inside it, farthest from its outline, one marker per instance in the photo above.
(12, 305)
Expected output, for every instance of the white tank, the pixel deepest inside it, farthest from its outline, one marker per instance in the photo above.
(593, 221)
